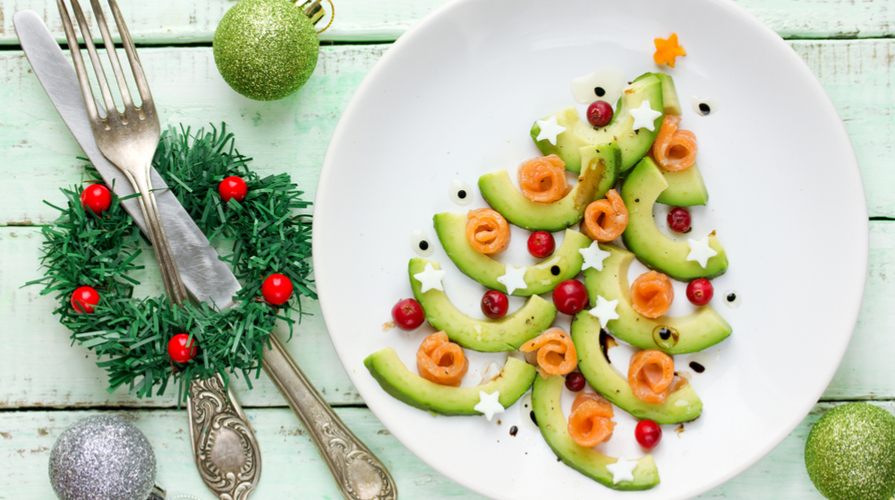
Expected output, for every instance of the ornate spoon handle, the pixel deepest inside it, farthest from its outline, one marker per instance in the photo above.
(224, 446)
(359, 474)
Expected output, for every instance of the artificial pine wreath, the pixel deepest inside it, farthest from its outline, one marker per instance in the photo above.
(88, 250)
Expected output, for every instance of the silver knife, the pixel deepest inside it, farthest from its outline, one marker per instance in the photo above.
(359, 474)
(206, 276)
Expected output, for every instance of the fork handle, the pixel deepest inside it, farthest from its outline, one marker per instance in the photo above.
(167, 265)
(357, 471)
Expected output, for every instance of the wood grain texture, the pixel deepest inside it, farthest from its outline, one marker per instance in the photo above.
(26, 439)
(175, 22)
(293, 134)
(24, 383)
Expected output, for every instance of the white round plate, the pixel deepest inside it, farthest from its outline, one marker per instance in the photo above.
(455, 97)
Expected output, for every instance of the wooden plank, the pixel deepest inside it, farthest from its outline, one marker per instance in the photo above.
(174, 22)
(39, 368)
(293, 134)
(26, 439)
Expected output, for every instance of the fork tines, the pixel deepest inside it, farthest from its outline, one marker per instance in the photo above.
(131, 111)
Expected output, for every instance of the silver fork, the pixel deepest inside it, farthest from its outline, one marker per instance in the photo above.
(127, 139)
(224, 448)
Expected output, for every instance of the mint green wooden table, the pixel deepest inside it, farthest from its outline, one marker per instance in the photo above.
(45, 384)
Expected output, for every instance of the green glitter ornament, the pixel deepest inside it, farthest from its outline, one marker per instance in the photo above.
(267, 49)
(850, 453)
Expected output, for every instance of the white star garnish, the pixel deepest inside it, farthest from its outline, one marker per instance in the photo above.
(514, 279)
(700, 251)
(645, 116)
(430, 278)
(489, 404)
(623, 470)
(593, 256)
(604, 310)
(550, 129)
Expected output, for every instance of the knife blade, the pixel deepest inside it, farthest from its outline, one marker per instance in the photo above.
(205, 275)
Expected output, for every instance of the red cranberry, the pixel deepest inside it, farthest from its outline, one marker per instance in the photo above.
(599, 113)
(570, 297)
(96, 197)
(575, 381)
(495, 304)
(700, 291)
(408, 314)
(679, 220)
(648, 434)
(541, 244)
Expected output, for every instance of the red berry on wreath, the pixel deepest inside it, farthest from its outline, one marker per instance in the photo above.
(570, 297)
(179, 350)
(700, 291)
(233, 187)
(276, 289)
(495, 304)
(648, 434)
(84, 298)
(541, 244)
(96, 197)
(599, 113)
(408, 314)
(679, 220)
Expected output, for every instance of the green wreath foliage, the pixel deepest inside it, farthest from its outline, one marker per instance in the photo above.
(130, 334)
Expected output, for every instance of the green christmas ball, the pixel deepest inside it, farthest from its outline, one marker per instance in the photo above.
(850, 453)
(265, 49)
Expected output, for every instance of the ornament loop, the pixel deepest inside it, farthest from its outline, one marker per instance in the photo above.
(332, 15)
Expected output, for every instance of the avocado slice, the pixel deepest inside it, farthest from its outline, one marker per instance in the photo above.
(505, 334)
(599, 175)
(681, 405)
(633, 143)
(406, 386)
(670, 101)
(564, 264)
(656, 250)
(545, 401)
(692, 333)
(685, 188)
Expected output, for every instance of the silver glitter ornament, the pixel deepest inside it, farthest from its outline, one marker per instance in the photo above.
(102, 457)
(850, 453)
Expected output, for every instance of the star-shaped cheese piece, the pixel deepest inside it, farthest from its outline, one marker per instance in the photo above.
(550, 129)
(604, 310)
(514, 279)
(700, 251)
(593, 256)
(645, 116)
(622, 470)
(667, 50)
(430, 278)
(489, 404)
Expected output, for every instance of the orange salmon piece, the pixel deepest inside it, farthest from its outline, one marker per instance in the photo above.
(487, 231)
(652, 294)
(674, 149)
(552, 352)
(543, 179)
(441, 361)
(589, 423)
(606, 219)
(650, 376)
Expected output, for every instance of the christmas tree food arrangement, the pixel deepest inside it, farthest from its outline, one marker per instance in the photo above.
(142, 342)
(627, 159)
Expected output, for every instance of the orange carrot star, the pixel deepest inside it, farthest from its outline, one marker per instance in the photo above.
(667, 50)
